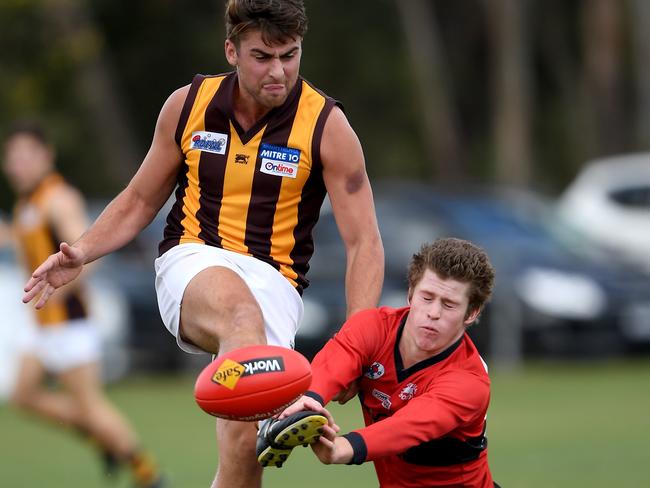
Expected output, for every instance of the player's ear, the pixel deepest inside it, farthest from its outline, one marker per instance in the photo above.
(471, 316)
(231, 52)
(409, 296)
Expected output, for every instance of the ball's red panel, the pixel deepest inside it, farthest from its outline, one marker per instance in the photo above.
(252, 383)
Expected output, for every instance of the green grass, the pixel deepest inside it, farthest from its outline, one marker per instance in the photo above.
(549, 425)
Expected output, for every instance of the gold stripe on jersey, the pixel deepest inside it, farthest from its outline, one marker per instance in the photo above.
(237, 191)
(286, 215)
(36, 243)
(196, 121)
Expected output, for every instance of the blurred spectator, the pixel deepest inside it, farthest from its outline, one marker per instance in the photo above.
(63, 343)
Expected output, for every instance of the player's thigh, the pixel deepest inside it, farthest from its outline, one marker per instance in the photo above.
(29, 376)
(218, 292)
(218, 303)
(232, 296)
(82, 382)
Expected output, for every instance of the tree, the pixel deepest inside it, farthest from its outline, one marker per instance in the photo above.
(439, 120)
(96, 84)
(511, 83)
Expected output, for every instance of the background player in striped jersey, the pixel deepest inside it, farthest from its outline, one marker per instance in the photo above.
(251, 155)
(65, 343)
(424, 389)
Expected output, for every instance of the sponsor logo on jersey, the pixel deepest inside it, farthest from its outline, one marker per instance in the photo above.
(279, 160)
(376, 370)
(383, 398)
(212, 142)
(408, 391)
(230, 371)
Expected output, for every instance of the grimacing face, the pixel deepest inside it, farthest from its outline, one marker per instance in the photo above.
(438, 315)
(266, 73)
(26, 161)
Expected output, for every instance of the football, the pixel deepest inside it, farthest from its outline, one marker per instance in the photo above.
(252, 383)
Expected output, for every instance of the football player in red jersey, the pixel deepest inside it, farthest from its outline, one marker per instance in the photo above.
(423, 386)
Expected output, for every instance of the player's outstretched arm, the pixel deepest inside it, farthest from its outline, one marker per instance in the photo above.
(57, 270)
(127, 214)
(350, 194)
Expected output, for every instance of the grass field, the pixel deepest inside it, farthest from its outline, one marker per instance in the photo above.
(550, 425)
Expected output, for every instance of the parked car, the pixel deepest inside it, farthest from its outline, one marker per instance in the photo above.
(609, 200)
(556, 293)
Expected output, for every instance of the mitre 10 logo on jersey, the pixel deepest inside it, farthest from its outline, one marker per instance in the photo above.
(279, 160)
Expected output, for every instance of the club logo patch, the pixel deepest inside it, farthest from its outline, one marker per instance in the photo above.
(376, 370)
(383, 398)
(408, 391)
(279, 160)
(212, 142)
(230, 372)
(241, 158)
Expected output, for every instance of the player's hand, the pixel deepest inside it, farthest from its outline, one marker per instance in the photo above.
(331, 449)
(349, 393)
(308, 403)
(57, 270)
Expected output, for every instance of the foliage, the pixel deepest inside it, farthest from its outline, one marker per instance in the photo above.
(354, 51)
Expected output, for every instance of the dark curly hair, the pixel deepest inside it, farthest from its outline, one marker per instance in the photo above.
(459, 260)
(277, 20)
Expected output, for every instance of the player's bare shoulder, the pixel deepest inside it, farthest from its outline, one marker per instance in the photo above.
(171, 110)
(336, 127)
(341, 153)
(178, 96)
(63, 199)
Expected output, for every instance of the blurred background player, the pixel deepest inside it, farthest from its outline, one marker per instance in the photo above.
(423, 386)
(252, 155)
(65, 344)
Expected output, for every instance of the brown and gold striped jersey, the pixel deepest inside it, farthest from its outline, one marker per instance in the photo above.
(36, 241)
(256, 192)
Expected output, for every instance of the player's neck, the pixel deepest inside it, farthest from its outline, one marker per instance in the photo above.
(246, 110)
(410, 352)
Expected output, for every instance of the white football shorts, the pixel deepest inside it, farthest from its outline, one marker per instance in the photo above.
(64, 346)
(279, 301)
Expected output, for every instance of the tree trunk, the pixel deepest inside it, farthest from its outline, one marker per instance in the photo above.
(602, 43)
(641, 42)
(511, 87)
(105, 110)
(439, 124)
